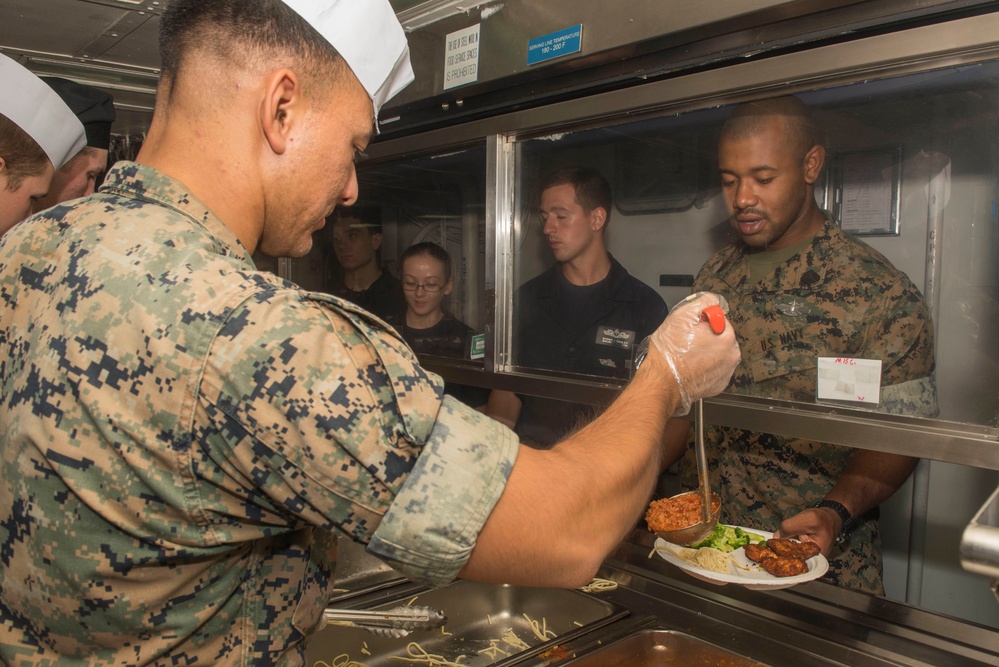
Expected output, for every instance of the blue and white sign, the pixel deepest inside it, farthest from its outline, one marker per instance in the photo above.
(555, 45)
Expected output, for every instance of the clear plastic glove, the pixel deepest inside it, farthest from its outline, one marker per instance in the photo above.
(702, 361)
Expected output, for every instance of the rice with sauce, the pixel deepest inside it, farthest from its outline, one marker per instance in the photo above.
(677, 512)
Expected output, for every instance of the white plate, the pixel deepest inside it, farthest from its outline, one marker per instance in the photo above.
(754, 577)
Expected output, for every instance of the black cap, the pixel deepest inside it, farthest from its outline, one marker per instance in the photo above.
(93, 107)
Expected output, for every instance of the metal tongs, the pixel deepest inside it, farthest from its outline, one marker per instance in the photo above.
(396, 622)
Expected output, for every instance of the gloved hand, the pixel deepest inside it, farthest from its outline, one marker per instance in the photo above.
(702, 361)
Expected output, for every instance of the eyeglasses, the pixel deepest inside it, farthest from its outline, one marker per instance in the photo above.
(428, 287)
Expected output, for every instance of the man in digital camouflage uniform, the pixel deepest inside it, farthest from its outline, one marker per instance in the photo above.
(183, 434)
(799, 288)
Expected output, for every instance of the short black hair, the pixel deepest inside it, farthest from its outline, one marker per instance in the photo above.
(229, 27)
(749, 117)
(592, 188)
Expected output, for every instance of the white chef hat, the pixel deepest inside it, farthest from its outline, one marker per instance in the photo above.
(33, 106)
(368, 36)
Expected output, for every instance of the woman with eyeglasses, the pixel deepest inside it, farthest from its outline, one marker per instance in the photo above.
(429, 326)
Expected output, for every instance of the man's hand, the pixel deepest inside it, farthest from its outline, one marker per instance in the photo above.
(869, 479)
(702, 362)
(594, 485)
(820, 525)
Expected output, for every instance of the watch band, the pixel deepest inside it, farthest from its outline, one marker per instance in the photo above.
(844, 515)
(640, 353)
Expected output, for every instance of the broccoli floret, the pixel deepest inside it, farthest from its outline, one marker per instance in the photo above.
(716, 540)
(750, 537)
(728, 538)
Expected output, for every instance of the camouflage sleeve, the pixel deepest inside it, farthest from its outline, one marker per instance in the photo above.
(315, 414)
(430, 530)
(917, 398)
(901, 335)
(708, 277)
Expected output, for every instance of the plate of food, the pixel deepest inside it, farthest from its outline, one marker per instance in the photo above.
(746, 556)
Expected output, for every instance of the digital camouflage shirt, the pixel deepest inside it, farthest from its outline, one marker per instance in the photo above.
(838, 297)
(182, 435)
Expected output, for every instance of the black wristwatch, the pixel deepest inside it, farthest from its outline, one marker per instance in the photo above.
(844, 516)
(641, 352)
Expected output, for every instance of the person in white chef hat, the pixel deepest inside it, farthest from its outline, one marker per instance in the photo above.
(182, 435)
(95, 109)
(39, 133)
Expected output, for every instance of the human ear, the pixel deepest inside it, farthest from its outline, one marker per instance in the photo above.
(598, 217)
(814, 159)
(280, 108)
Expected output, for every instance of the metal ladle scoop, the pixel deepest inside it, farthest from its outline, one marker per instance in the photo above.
(710, 510)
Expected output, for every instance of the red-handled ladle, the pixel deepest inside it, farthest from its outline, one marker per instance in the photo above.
(709, 514)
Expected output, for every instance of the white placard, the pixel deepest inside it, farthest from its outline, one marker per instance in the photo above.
(846, 379)
(869, 192)
(461, 57)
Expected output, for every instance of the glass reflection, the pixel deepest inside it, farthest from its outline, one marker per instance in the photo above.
(584, 314)
(411, 214)
(428, 324)
(820, 315)
(357, 274)
(910, 169)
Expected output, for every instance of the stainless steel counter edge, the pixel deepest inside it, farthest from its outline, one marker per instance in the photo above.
(814, 623)
(933, 439)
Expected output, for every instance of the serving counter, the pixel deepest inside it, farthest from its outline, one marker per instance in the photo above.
(810, 624)
(658, 615)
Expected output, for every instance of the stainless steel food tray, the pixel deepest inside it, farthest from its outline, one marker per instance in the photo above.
(480, 616)
(654, 647)
(358, 572)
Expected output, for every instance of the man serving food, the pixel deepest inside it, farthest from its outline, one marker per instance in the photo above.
(184, 435)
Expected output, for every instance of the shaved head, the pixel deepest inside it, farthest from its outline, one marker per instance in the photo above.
(245, 34)
(751, 118)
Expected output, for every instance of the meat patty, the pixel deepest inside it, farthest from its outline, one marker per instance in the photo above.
(758, 552)
(792, 548)
(778, 564)
(781, 566)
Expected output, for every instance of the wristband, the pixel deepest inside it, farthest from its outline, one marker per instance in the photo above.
(844, 516)
(641, 352)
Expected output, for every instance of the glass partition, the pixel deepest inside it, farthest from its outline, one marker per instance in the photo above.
(911, 169)
(412, 250)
